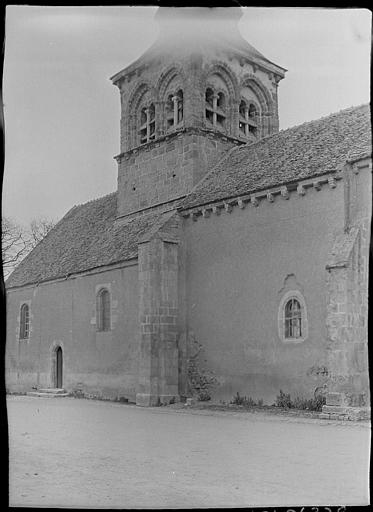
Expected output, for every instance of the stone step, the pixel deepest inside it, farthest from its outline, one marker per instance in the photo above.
(51, 390)
(47, 394)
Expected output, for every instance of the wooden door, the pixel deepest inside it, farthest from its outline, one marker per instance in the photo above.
(59, 368)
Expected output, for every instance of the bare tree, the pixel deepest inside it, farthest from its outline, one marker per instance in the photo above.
(14, 244)
(39, 228)
(17, 241)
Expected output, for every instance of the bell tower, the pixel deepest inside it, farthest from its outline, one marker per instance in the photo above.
(198, 91)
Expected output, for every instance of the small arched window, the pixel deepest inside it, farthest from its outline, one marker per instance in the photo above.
(147, 124)
(292, 318)
(24, 327)
(215, 108)
(103, 310)
(174, 110)
(248, 114)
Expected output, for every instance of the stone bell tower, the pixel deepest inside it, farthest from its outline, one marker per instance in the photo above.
(197, 92)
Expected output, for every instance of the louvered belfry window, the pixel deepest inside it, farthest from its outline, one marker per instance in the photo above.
(247, 119)
(103, 310)
(215, 108)
(293, 319)
(24, 330)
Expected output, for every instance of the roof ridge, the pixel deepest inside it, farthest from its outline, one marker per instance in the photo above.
(295, 127)
(323, 118)
(221, 160)
(299, 152)
(95, 199)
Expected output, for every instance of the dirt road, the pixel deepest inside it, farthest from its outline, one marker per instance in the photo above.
(66, 452)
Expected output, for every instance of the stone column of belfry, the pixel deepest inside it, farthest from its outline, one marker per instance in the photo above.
(158, 315)
(175, 104)
(214, 106)
(247, 121)
(159, 121)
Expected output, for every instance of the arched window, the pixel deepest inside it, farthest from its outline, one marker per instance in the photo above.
(24, 327)
(215, 108)
(292, 318)
(174, 110)
(103, 310)
(248, 119)
(147, 124)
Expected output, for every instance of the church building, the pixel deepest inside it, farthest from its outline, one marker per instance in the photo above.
(233, 257)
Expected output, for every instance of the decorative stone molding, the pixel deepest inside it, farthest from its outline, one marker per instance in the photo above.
(206, 132)
(251, 80)
(254, 201)
(301, 190)
(285, 191)
(227, 75)
(332, 182)
(166, 77)
(317, 185)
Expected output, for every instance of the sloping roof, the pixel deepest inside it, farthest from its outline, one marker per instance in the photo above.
(85, 238)
(307, 150)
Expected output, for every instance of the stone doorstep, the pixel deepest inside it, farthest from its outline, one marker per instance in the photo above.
(48, 393)
(51, 390)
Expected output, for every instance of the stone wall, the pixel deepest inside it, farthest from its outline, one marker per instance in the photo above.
(239, 264)
(347, 311)
(166, 169)
(158, 315)
(63, 313)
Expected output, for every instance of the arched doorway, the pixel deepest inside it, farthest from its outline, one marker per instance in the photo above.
(59, 368)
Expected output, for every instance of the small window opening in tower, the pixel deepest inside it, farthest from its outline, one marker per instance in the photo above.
(209, 95)
(174, 110)
(147, 124)
(215, 108)
(247, 119)
(220, 102)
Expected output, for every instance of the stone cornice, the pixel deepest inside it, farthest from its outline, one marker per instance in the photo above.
(74, 275)
(271, 195)
(178, 133)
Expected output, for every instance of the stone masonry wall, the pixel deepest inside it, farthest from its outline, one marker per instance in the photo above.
(166, 169)
(347, 327)
(158, 315)
(347, 310)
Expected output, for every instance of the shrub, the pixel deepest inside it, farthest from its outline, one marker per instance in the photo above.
(200, 379)
(309, 404)
(283, 400)
(77, 393)
(245, 401)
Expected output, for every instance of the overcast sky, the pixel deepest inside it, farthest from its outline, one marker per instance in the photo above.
(62, 111)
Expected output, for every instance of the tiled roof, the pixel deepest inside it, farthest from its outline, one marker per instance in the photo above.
(85, 238)
(301, 152)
